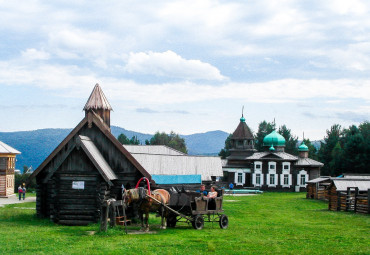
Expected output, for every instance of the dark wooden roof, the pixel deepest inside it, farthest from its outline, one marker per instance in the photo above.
(97, 100)
(90, 118)
(242, 132)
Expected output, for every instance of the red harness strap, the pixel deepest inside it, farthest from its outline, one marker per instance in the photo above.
(147, 184)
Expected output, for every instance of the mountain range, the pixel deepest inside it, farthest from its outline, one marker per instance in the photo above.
(36, 145)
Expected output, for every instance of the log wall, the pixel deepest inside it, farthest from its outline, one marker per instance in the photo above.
(58, 201)
(351, 200)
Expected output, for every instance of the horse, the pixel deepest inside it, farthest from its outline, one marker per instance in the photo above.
(145, 204)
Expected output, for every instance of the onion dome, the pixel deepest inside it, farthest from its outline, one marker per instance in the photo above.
(303, 147)
(274, 139)
(272, 148)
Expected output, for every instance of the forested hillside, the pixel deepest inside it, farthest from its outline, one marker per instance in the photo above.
(36, 145)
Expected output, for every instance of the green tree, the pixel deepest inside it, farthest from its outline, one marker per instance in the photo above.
(134, 140)
(290, 140)
(354, 148)
(122, 138)
(336, 163)
(172, 140)
(325, 154)
(264, 128)
(225, 152)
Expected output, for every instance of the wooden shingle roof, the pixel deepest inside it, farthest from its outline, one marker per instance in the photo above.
(242, 132)
(97, 100)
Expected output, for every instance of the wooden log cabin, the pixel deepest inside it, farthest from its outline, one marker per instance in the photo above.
(90, 166)
(7, 166)
(318, 188)
(349, 195)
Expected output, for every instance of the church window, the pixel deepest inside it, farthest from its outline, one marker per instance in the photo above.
(286, 179)
(286, 167)
(258, 178)
(258, 166)
(240, 177)
(272, 179)
(303, 179)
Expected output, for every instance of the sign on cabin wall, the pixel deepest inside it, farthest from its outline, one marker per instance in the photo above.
(78, 185)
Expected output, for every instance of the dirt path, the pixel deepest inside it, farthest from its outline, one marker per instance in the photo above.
(15, 200)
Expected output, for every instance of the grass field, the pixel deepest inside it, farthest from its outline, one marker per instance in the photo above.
(284, 223)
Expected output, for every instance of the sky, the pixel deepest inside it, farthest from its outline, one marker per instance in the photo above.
(186, 66)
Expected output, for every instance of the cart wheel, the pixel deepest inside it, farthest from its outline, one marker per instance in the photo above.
(224, 221)
(171, 220)
(198, 222)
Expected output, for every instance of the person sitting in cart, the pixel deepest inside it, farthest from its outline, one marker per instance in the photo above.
(203, 190)
(212, 193)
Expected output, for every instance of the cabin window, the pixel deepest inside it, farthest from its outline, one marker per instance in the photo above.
(258, 166)
(258, 179)
(286, 179)
(272, 179)
(286, 167)
(3, 163)
(272, 166)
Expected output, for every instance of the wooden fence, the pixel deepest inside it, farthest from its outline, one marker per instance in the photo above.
(351, 201)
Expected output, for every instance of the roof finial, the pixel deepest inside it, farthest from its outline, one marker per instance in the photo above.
(274, 124)
(242, 119)
(303, 135)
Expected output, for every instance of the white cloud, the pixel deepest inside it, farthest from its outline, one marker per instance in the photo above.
(169, 64)
(34, 54)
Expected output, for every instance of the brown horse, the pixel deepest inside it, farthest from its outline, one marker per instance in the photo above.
(146, 204)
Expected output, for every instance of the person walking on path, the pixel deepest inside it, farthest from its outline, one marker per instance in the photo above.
(24, 191)
(20, 192)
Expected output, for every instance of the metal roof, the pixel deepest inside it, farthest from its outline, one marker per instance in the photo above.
(319, 179)
(282, 155)
(152, 149)
(177, 179)
(180, 165)
(98, 160)
(357, 176)
(97, 100)
(308, 162)
(343, 184)
(6, 149)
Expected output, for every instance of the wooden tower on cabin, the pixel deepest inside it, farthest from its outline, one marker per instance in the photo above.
(99, 104)
(7, 165)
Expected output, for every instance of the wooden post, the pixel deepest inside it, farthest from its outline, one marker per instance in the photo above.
(104, 216)
(355, 205)
(112, 209)
(348, 198)
(338, 201)
(368, 201)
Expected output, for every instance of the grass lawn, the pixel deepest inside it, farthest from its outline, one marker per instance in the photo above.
(271, 223)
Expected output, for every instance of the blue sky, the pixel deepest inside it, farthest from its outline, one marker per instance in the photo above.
(187, 66)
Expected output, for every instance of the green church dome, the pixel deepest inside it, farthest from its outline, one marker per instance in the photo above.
(242, 119)
(274, 139)
(303, 147)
